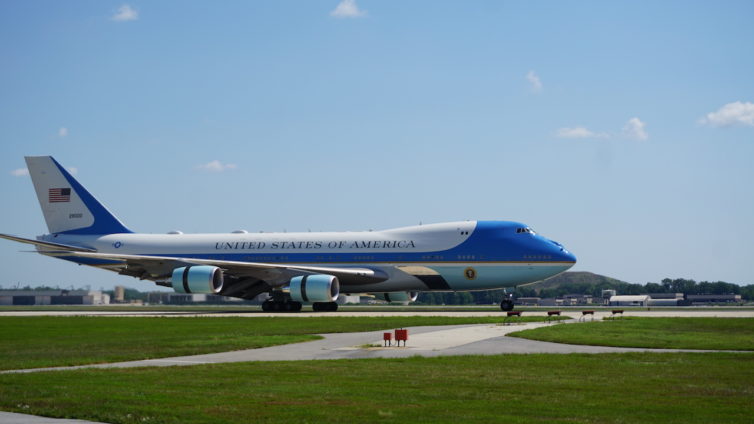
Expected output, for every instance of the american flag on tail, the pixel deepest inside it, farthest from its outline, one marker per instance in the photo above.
(59, 195)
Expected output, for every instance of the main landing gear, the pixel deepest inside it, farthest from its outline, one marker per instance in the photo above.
(281, 306)
(325, 306)
(507, 303)
(271, 305)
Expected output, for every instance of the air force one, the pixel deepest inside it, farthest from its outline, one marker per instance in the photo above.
(293, 268)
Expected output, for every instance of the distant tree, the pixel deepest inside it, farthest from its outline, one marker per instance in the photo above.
(588, 284)
(654, 288)
(667, 285)
(747, 292)
(465, 298)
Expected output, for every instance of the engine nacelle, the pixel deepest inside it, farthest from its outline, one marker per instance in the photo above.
(315, 288)
(197, 279)
(397, 297)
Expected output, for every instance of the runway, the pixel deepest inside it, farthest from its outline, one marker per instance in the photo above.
(14, 418)
(598, 314)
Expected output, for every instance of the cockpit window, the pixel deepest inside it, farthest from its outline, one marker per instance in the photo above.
(524, 230)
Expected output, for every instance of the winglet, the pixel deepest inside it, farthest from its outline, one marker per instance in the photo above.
(67, 206)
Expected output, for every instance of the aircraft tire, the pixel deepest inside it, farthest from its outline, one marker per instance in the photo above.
(266, 306)
(506, 305)
(292, 306)
(325, 306)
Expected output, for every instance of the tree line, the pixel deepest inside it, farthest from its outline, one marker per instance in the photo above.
(667, 285)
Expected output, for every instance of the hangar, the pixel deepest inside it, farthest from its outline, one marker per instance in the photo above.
(53, 297)
(639, 300)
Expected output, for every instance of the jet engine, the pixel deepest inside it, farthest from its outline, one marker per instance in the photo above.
(197, 279)
(397, 297)
(315, 288)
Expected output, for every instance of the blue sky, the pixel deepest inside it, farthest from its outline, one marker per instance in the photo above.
(624, 130)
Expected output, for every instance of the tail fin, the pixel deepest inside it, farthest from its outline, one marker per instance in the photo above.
(67, 207)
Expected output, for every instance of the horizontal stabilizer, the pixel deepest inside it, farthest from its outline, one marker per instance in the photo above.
(47, 244)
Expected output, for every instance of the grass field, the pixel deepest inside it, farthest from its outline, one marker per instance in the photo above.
(610, 388)
(34, 342)
(665, 333)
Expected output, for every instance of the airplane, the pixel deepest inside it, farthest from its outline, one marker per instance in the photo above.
(293, 268)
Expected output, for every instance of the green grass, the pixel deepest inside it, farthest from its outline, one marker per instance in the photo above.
(661, 333)
(34, 342)
(612, 388)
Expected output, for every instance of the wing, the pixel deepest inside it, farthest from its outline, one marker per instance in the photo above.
(161, 268)
(46, 244)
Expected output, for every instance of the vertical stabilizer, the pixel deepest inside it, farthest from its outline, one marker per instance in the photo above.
(67, 207)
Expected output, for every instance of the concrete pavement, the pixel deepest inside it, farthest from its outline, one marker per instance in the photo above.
(13, 418)
(730, 312)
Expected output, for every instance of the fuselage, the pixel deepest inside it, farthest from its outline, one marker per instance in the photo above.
(468, 255)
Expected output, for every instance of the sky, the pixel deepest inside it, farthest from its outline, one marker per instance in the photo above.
(622, 129)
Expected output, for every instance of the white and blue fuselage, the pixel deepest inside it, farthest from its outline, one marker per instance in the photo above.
(468, 255)
(305, 267)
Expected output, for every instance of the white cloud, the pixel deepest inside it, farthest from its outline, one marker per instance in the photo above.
(579, 132)
(125, 13)
(348, 9)
(536, 84)
(634, 128)
(736, 113)
(62, 132)
(73, 170)
(216, 166)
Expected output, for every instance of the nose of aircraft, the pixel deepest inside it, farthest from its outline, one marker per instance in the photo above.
(562, 254)
(568, 256)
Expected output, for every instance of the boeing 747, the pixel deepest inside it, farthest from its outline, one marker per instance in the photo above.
(293, 268)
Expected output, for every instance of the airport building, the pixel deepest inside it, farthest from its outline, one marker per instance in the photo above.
(53, 297)
(172, 298)
(120, 294)
(578, 299)
(671, 296)
(349, 299)
(643, 300)
(636, 300)
(701, 299)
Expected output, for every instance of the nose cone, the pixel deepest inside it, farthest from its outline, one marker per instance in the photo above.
(561, 254)
(568, 256)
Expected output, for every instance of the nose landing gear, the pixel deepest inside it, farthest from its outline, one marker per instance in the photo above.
(507, 303)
